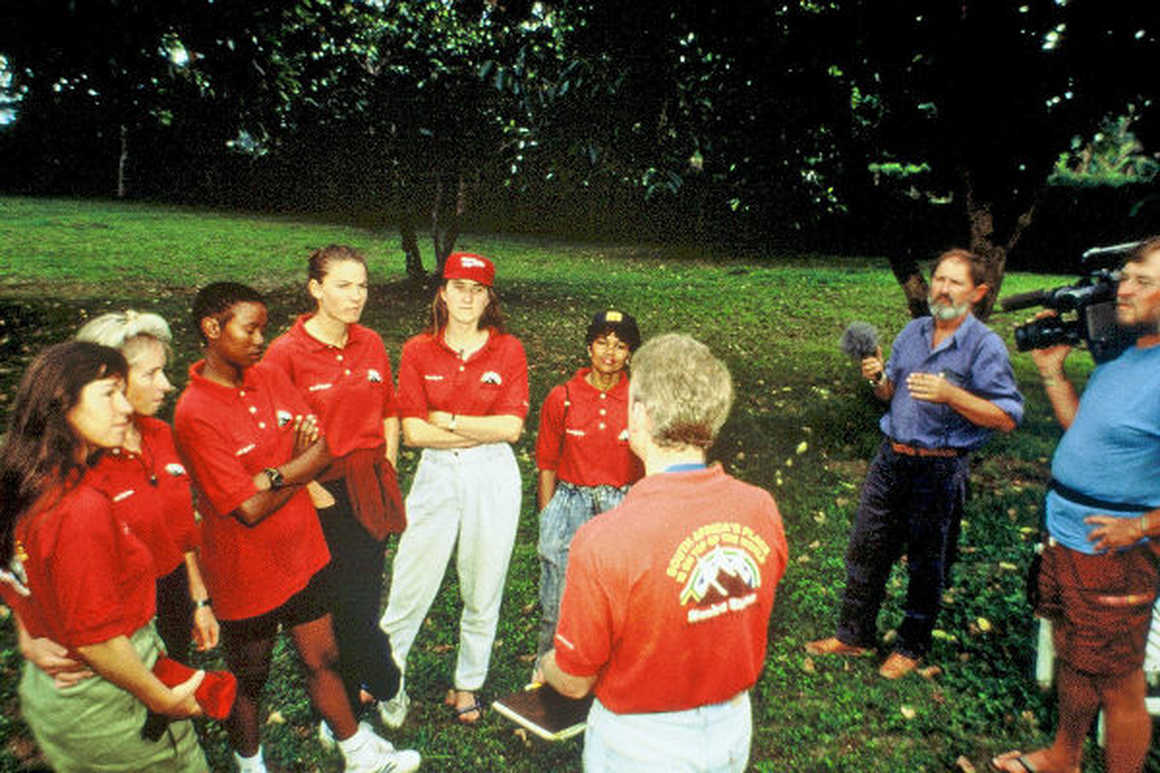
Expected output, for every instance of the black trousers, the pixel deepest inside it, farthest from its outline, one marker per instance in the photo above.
(175, 613)
(355, 576)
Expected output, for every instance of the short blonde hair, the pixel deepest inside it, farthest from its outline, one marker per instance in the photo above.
(685, 390)
(120, 329)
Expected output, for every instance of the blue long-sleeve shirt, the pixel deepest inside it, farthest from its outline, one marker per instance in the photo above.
(974, 358)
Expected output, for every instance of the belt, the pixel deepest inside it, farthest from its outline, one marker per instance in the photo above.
(902, 448)
(1080, 498)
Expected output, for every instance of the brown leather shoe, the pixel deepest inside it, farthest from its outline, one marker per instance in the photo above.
(835, 646)
(897, 665)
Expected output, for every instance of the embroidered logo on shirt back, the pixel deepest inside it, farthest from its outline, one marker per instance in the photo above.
(719, 568)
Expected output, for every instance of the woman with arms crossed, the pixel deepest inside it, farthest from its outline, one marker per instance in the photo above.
(251, 450)
(582, 453)
(75, 572)
(342, 372)
(463, 397)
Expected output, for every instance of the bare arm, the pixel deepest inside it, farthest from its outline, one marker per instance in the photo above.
(310, 457)
(118, 662)
(933, 388)
(205, 625)
(502, 428)
(547, 488)
(391, 438)
(1061, 393)
(50, 657)
(423, 434)
(566, 684)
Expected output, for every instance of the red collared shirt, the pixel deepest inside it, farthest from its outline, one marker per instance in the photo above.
(80, 575)
(150, 491)
(350, 388)
(227, 435)
(667, 597)
(491, 382)
(583, 434)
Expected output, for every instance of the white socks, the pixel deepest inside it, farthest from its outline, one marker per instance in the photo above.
(250, 764)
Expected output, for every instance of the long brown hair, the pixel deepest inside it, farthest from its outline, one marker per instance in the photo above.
(492, 316)
(41, 449)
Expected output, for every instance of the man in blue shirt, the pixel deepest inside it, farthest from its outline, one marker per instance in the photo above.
(1098, 577)
(950, 385)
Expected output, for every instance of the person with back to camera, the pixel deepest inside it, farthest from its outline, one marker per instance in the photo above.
(463, 397)
(1098, 577)
(75, 572)
(666, 606)
(950, 385)
(342, 372)
(582, 452)
(252, 447)
(150, 490)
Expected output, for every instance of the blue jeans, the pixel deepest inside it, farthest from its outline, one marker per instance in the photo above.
(707, 739)
(570, 508)
(908, 503)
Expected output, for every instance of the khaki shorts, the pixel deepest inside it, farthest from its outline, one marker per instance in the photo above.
(1077, 593)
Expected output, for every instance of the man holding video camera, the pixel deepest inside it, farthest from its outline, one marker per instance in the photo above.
(1098, 575)
(950, 385)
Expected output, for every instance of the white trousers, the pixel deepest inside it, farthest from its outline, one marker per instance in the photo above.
(472, 496)
(708, 739)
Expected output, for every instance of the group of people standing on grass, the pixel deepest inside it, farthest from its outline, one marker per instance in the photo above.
(268, 506)
(269, 503)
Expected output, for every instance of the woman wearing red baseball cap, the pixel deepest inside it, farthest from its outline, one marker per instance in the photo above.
(463, 398)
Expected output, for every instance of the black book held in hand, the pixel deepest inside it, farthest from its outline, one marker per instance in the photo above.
(546, 712)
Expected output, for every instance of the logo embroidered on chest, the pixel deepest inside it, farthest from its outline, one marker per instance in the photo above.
(491, 377)
(433, 376)
(245, 449)
(374, 376)
(175, 469)
(283, 417)
(623, 434)
(124, 495)
(318, 387)
(576, 432)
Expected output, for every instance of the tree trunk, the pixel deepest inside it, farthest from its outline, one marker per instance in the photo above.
(445, 219)
(414, 258)
(914, 286)
(122, 161)
(984, 243)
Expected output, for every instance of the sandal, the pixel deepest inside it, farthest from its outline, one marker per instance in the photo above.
(461, 712)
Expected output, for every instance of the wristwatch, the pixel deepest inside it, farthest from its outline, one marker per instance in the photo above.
(274, 475)
(877, 380)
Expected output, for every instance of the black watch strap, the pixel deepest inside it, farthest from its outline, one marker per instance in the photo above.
(274, 475)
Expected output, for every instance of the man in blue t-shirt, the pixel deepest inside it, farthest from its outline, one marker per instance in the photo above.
(950, 385)
(1098, 576)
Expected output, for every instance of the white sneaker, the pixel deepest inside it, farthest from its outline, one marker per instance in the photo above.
(382, 757)
(327, 740)
(393, 712)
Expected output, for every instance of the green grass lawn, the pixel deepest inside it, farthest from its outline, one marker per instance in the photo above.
(803, 426)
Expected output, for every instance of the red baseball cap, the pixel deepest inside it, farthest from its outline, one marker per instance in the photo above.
(467, 265)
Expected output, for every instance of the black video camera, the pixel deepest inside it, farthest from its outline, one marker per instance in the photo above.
(1086, 310)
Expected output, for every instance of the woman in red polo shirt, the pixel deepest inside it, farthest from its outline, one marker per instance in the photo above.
(147, 482)
(252, 448)
(79, 574)
(582, 453)
(463, 397)
(342, 372)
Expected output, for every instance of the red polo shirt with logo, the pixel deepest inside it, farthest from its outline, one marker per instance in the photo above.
(349, 388)
(491, 382)
(227, 435)
(79, 573)
(667, 597)
(583, 434)
(150, 490)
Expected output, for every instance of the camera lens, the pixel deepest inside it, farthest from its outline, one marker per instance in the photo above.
(1049, 331)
